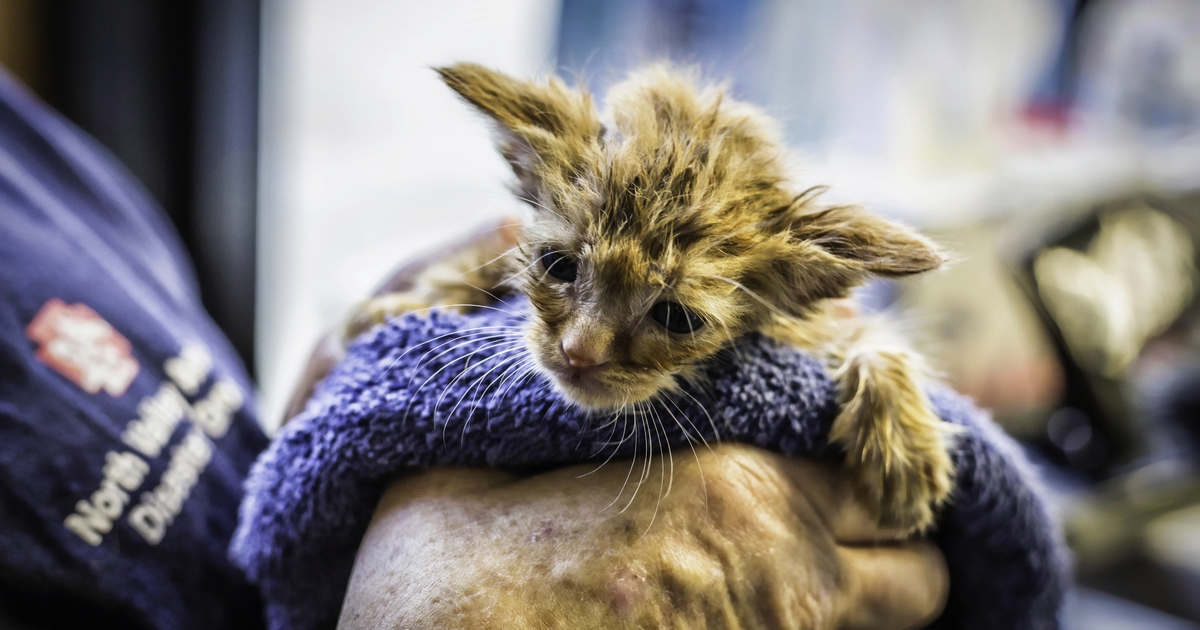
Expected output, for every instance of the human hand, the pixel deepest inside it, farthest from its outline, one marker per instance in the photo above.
(743, 539)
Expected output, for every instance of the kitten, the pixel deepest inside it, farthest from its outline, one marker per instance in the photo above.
(655, 243)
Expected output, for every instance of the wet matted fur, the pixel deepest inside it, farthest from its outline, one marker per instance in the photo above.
(668, 226)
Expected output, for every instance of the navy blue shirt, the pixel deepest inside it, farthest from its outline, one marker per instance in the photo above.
(127, 422)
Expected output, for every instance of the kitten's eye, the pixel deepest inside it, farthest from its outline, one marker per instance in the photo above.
(558, 265)
(676, 318)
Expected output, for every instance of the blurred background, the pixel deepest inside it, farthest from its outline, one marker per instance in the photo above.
(304, 147)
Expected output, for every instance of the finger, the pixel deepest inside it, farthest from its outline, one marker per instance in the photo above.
(892, 587)
(828, 490)
(855, 522)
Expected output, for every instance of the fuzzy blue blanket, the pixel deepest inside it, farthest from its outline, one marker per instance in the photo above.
(427, 391)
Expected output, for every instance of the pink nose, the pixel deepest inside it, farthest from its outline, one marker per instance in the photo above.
(581, 356)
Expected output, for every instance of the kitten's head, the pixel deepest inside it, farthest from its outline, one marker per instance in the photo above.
(657, 241)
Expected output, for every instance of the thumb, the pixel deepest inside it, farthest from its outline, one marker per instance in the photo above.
(892, 587)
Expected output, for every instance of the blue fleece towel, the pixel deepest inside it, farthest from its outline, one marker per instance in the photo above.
(428, 391)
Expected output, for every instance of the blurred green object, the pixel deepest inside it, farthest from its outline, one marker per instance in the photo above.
(1116, 290)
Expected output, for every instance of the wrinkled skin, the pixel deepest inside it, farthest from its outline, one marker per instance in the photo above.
(744, 539)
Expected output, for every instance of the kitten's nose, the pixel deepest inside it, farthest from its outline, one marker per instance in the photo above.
(582, 355)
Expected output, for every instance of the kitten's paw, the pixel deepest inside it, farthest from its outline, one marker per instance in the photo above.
(896, 447)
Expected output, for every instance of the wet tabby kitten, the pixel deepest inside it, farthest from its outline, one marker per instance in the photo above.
(662, 234)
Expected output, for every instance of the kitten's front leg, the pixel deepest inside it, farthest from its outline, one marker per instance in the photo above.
(896, 446)
(467, 274)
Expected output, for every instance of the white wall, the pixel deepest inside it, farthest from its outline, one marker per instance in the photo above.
(366, 157)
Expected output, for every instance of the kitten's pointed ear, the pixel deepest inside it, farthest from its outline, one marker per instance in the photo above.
(542, 125)
(827, 252)
(872, 243)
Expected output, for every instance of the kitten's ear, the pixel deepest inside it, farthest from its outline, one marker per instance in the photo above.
(543, 126)
(825, 253)
(876, 245)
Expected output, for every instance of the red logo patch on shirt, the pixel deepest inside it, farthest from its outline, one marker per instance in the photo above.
(81, 346)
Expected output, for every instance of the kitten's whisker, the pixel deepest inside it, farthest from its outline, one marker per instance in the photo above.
(508, 350)
(545, 412)
(608, 440)
(450, 416)
(529, 376)
(699, 434)
(711, 422)
(631, 464)
(623, 412)
(637, 437)
(670, 454)
(527, 366)
(646, 463)
(611, 432)
(485, 338)
(486, 292)
(515, 371)
(505, 364)
(611, 453)
(611, 421)
(520, 316)
(488, 343)
(457, 333)
(692, 445)
(651, 450)
(670, 451)
(445, 390)
(495, 228)
(662, 435)
(475, 338)
(497, 332)
(584, 429)
(442, 369)
(479, 392)
(511, 376)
